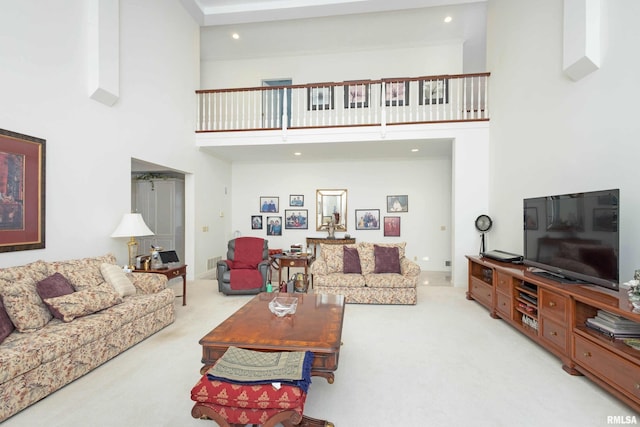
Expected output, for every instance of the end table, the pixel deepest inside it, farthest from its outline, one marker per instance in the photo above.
(172, 273)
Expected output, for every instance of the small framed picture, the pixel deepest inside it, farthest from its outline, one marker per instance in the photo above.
(396, 93)
(274, 226)
(392, 226)
(433, 92)
(320, 98)
(269, 204)
(296, 219)
(367, 219)
(256, 222)
(356, 95)
(296, 200)
(398, 203)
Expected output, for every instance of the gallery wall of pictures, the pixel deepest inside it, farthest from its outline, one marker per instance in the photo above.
(294, 215)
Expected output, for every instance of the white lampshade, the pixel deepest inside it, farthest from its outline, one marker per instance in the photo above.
(132, 225)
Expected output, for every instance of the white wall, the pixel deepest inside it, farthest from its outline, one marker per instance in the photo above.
(336, 67)
(44, 87)
(426, 182)
(551, 135)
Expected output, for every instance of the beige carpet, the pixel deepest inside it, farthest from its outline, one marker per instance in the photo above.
(443, 362)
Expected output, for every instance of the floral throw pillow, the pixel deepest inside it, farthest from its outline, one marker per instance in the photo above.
(84, 302)
(24, 306)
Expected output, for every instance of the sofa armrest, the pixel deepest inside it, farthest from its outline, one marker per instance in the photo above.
(148, 283)
(318, 266)
(409, 268)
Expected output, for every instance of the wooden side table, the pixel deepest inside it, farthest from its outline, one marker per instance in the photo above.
(172, 273)
(281, 260)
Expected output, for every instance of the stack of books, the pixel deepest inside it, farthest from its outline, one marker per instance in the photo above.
(613, 325)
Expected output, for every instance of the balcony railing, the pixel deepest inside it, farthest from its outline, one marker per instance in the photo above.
(444, 98)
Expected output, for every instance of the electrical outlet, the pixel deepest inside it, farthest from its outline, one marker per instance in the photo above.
(205, 228)
(447, 263)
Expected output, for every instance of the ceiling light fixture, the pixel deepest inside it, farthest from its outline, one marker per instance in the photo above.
(235, 36)
(297, 153)
(415, 150)
(448, 19)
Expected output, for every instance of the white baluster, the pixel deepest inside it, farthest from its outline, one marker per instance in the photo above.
(472, 101)
(486, 97)
(285, 116)
(464, 100)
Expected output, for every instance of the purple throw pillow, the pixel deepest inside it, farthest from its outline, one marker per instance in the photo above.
(351, 261)
(6, 325)
(387, 259)
(53, 286)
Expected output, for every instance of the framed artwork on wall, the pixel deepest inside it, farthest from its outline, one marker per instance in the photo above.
(320, 98)
(256, 222)
(296, 200)
(396, 94)
(356, 95)
(398, 203)
(392, 226)
(274, 226)
(22, 192)
(296, 219)
(269, 204)
(367, 219)
(433, 92)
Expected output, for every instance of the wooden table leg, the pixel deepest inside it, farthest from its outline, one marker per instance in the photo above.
(184, 289)
(313, 422)
(326, 375)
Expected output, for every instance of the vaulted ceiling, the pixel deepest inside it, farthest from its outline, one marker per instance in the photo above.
(225, 12)
(307, 26)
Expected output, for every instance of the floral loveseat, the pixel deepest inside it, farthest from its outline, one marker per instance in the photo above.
(366, 273)
(47, 341)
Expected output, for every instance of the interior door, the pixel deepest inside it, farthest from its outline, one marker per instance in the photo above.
(273, 104)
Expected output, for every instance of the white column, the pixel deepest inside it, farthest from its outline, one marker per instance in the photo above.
(104, 50)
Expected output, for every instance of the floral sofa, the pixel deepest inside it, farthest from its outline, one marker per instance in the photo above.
(60, 320)
(366, 273)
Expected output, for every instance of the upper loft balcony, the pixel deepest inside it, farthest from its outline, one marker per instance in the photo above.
(379, 103)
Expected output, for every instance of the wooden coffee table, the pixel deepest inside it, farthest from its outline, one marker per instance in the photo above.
(316, 326)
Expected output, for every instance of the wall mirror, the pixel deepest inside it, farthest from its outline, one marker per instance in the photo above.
(331, 204)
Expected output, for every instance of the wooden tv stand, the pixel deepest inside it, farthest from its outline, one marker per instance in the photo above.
(553, 315)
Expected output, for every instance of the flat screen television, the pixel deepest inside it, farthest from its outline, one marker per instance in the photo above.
(574, 238)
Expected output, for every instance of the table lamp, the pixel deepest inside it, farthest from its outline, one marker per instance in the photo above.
(132, 225)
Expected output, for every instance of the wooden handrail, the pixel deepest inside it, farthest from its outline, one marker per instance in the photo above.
(343, 83)
(380, 102)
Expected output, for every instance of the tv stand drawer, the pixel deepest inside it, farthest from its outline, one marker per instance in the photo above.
(614, 370)
(482, 292)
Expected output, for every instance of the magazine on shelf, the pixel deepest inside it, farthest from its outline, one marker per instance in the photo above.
(615, 323)
(597, 325)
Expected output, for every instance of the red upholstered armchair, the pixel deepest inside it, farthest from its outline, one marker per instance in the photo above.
(245, 271)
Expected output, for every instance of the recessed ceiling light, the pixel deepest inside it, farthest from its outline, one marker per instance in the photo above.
(297, 153)
(235, 36)
(415, 150)
(448, 19)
